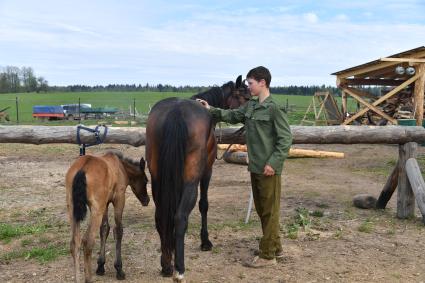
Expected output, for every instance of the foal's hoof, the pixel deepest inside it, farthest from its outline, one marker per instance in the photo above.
(100, 270)
(120, 275)
(167, 272)
(145, 200)
(207, 246)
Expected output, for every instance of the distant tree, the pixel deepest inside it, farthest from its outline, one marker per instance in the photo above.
(42, 85)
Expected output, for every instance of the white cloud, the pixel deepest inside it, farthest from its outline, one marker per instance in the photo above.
(311, 18)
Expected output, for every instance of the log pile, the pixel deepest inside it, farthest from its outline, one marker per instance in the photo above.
(399, 106)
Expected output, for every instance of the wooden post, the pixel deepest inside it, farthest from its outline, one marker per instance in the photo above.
(388, 189)
(405, 197)
(419, 95)
(344, 105)
(417, 183)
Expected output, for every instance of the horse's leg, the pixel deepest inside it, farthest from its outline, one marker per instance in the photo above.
(118, 233)
(166, 248)
(75, 248)
(206, 244)
(104, 233)
(187, 203)
(88, 240)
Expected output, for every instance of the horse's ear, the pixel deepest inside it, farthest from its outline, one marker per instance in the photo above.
(239, 81)
(142, 163)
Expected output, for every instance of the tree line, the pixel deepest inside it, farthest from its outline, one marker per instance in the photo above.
(14, 79)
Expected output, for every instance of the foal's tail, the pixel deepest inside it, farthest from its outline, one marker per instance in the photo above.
(79, 196)
(172, 155)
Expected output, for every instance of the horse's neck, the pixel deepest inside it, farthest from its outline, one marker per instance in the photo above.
(214, 97)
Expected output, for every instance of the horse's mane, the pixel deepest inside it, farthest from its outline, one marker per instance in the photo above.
(124, 158)
(216, 95)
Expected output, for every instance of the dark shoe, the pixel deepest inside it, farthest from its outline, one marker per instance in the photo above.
(259, 262)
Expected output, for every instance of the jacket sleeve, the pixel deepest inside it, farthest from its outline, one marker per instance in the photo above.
(283, 137)
(232, 116)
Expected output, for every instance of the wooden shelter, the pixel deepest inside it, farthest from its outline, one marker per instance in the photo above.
(401, 76)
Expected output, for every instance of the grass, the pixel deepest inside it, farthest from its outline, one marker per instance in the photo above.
(8, 231)
(123, 101)
(366, 226)
(41, 254)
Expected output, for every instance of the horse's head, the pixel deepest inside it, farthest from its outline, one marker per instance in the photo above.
(138, 184)
(235, 94)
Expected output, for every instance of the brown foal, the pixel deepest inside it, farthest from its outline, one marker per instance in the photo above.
(95, 182)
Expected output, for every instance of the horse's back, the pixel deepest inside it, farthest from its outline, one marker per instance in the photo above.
(97, 169)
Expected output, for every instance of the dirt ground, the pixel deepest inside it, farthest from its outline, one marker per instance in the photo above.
(338, 242)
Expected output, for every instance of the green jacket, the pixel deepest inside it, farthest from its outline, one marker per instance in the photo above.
(268, 135)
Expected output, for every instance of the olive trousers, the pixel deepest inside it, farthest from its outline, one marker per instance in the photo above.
(266, 193)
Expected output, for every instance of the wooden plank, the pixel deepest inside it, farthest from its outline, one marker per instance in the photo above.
(382, 98)
(389, 188)
(381, 82)
(344, 105)
(419, 95)
(410, 60)
(371, 107)
(405, 197)
(417, 183)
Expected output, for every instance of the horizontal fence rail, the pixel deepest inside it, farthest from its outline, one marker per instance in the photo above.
(136, 135)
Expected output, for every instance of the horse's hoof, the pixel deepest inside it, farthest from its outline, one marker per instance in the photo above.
(167, 272)
(100, 270)
(207, 246)
(120, 275)
(179, 278)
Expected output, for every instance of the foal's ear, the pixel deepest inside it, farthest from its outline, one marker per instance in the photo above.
(239, 81)
(142, 163)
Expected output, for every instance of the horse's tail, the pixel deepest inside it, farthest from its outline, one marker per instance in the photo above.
(172, 155)
(79, 196)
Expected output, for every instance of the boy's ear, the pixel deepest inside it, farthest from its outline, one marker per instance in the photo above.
(239, 81)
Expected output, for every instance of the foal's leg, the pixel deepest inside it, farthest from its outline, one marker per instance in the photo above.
(104, 233)
(118, 233)
(75, 248)
(206, 245)
(88, 240)
(187, 203)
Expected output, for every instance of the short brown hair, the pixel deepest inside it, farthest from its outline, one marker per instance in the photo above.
(260, 73)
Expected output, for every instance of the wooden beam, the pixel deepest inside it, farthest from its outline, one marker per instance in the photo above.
(419, 95)
(388, 189)
(417, 183)
(344, 105)
(411, 60)
(381, 82)
(382, 98)
(370, 106)
(301, 135)
(405, 197)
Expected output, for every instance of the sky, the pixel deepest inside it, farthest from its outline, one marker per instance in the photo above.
(201, 42)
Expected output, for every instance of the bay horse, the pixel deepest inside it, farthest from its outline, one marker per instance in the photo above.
(180, 152)
(95, 182)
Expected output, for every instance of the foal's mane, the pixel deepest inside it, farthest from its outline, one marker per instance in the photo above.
(125, 159)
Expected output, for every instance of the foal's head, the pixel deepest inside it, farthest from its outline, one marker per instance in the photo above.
(137, 178)
(235, 94)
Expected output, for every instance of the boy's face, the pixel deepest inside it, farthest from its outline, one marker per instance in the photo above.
(256, 87)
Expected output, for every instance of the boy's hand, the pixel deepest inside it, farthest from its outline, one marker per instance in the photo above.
(268, 170)
(204, 103)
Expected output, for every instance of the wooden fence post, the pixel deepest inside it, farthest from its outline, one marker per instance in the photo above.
(417, 183)
(405, 197)
(389, 188)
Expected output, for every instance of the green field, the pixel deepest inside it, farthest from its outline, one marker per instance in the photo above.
(122, 100)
